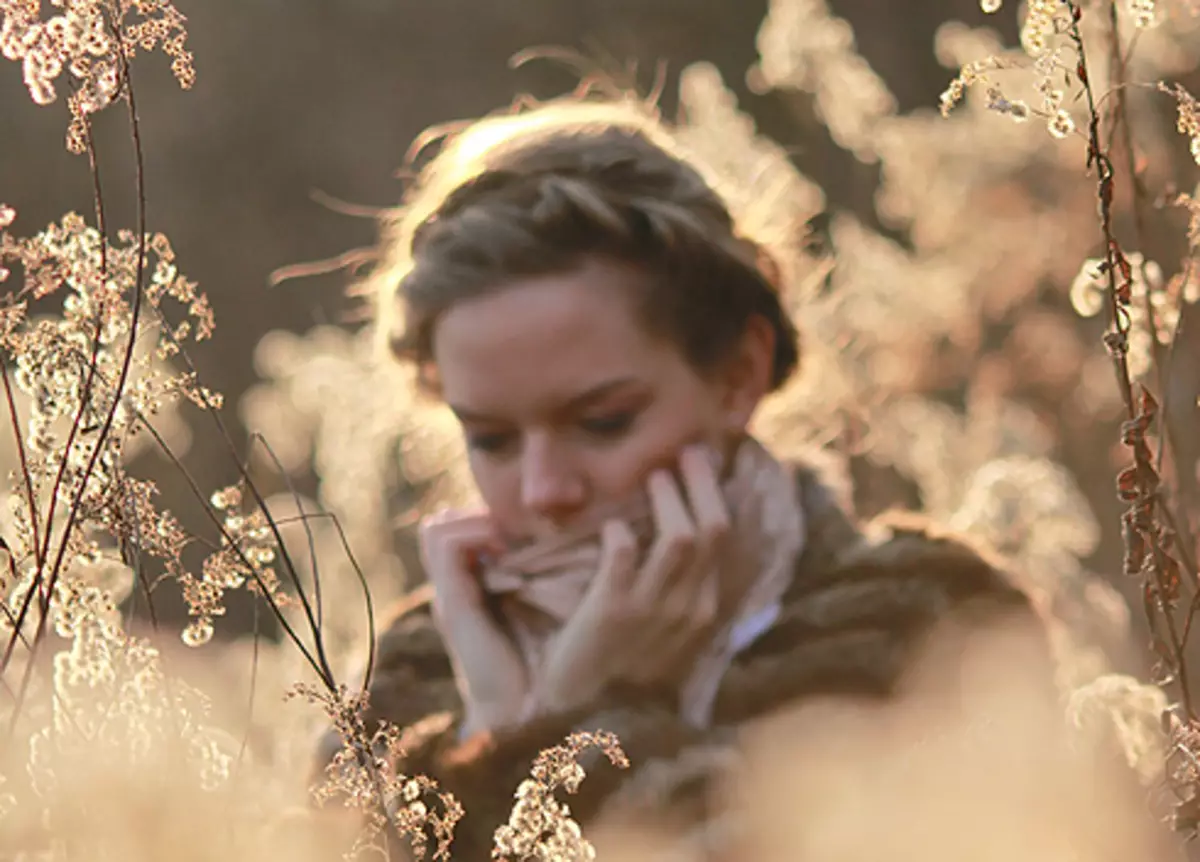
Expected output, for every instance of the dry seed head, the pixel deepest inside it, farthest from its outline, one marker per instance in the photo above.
(1144, 12)
(1061, 125)
(1188, 119)
(969, 75)
(198, 632)
(363, 777)
(1052, 97)
(1044, 21)
(997, 102)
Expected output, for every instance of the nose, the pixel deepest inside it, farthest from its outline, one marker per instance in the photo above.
(552, 487)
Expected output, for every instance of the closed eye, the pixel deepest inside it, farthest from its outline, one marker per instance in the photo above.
(491, 443)
(610, 426)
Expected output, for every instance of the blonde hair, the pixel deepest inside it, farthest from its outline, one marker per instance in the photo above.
(540, 191)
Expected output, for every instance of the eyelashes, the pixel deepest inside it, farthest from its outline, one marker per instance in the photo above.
(605, 428)
(609, 427)
(489, 443)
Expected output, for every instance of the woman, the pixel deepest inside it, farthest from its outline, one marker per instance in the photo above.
(578, 293)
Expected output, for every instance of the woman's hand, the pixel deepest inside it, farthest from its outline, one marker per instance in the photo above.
(489, 670)
(646, 624)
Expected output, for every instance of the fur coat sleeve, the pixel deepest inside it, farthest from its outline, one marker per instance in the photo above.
(865, 603)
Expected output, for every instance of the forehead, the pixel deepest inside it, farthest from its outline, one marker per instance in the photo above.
(544, 339)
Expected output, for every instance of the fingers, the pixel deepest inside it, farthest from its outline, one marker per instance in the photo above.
(450, 532)
(685, 625)
(450, 545)
(488, 668)
(594, 640)
(680, 585)
(672, 553)
(689, 534)
(641, 619)
(698, 470)
(618, 557)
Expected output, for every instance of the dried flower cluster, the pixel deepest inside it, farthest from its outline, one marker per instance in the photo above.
(540, 827)
(244, 558)
(93, 40)
(1046, 55)
(93, 384)
(1189, 116)
(99, 733)
(361, 776)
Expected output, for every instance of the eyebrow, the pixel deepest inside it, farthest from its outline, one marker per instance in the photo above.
(595, 393)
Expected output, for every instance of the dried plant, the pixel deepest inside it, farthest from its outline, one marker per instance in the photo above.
(93, 40)
(1089, 49)
(540, 827)
(93, 353)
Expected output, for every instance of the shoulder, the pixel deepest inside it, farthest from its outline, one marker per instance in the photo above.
(901, 568)
(866, 602)
(910, 560)
(899, 548)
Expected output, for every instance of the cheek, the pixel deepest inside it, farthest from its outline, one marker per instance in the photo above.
(623, 470)
(499, 487)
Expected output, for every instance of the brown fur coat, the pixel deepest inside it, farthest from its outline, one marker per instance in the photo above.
(863, 605)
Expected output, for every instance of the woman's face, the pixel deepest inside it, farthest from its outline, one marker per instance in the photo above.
(568, 404)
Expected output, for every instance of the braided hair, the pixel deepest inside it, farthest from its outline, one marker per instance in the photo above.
(545, 191)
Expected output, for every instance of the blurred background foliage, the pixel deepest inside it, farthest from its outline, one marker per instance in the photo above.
(950, 367)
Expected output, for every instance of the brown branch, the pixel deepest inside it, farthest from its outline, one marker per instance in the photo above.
(1139, 484)
(1161, 356)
